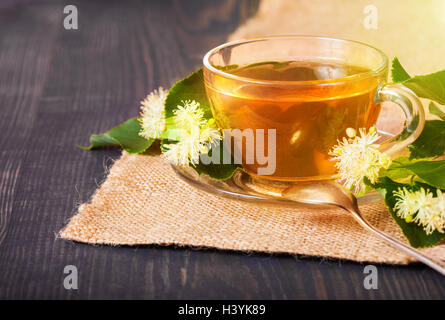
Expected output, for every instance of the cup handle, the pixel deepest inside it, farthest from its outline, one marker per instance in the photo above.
(415, 116)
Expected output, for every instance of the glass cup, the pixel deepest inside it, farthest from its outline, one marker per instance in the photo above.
(295, 123)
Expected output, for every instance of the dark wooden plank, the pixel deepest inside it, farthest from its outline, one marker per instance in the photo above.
(57, 87)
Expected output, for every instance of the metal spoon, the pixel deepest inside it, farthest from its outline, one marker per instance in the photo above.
(333, 194)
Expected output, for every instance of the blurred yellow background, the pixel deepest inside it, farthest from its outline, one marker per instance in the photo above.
(412, 30)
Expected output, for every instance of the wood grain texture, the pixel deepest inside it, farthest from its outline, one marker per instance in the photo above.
(59, 86)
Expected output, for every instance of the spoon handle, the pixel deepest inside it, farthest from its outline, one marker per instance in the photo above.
(437, 265)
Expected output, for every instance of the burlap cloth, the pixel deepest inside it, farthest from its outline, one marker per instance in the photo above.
(143, 201)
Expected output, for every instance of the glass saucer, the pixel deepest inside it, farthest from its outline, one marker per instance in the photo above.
(243, 187)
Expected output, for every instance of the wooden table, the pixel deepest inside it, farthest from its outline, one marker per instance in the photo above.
(57, 87)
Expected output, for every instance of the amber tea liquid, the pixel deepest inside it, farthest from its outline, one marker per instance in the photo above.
(308, 119)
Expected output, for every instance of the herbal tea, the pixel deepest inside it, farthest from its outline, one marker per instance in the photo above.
(308, 118)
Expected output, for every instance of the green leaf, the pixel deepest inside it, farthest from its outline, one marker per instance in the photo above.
(397, 169)
(192, 88)
(125, 135)
(163, 143)
(227, 68)
(432, 172)
(100, 141)
(219, 171)
(415, 234)
(431, 142)
(398, 73)
(436, 111)
(189, 88)
(232, 67)
(172, 132)
(274, 64)
(430, 86)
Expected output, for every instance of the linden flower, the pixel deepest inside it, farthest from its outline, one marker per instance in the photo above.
(195, 137)
(189, 115)
(422, 208)
(153, 114)
(358, 157)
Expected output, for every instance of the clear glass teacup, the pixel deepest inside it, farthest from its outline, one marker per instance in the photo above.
(289, 99)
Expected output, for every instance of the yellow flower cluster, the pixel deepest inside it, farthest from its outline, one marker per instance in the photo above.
(357, 157)
(422, 208)
(196, 134)
(153, 114)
